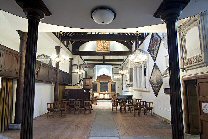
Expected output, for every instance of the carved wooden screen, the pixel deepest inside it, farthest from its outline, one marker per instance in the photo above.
(6, 104)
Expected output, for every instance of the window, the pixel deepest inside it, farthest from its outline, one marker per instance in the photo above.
(139, 80)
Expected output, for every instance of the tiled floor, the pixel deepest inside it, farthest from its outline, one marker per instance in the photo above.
(102, 123)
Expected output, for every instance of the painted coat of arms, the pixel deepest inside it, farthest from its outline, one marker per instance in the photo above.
(156, 80)
(103, 46)
(154, 45)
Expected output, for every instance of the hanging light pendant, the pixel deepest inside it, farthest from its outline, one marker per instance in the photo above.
(103, 15)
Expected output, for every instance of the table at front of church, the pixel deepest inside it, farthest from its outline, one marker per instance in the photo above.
(105, 95)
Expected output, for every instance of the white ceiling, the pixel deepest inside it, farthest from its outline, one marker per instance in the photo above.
(129, 14)
(71, 15)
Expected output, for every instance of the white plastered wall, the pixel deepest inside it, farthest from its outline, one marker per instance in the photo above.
(162, 101)
(43, 95)
(46, 45)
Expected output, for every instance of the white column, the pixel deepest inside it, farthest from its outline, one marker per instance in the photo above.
(134, 77)
(142, 77)
(138, 77)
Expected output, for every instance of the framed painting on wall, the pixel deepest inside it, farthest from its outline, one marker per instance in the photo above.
(103, 86)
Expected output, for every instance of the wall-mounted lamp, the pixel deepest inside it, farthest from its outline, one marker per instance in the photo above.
(58, 58)
(138, 57)
(123, 72)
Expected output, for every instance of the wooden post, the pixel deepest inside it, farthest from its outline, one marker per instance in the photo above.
(169, 11)
(20, 81)
(70, 69)
(35, 10)
(175, 85)
(56, 87)
(29, 80)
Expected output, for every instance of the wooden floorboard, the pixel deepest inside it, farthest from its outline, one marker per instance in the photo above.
(82, 126)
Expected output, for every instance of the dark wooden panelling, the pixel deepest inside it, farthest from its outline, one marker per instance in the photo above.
(9, 62)
(203, 98)
(64, 78)
(42, 72)
(52, 74)
(9, 67)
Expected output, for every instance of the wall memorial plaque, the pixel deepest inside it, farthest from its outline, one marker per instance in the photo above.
(205, 108)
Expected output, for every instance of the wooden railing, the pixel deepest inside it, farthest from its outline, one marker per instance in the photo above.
(9, 67)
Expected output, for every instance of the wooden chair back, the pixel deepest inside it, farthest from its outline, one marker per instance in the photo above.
(81, 102)
(50, 106)
(143, 104)
(56, 105)
(149, 104)
(123, 105)
(138, 100)
(71, 102)
(87, 106)
(77, 104)
(115, 102)
(149, 107)
(87, 103)
(130, 101)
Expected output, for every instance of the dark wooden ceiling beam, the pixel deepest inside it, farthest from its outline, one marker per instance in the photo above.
(108, 37)
(76, 45)
(113, 64)
(128, 44)
(93, 53)
(105, 60)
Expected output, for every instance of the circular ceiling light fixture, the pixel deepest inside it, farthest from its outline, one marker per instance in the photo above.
(103, 15)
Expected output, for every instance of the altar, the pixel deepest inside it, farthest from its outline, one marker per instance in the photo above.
(104, 87)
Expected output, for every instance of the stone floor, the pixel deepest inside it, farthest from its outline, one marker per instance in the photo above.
(102, 123)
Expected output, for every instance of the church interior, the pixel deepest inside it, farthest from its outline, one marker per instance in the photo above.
(104, 69)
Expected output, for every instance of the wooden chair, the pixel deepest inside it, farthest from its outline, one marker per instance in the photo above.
(77, 106)
(137, 107)
(71, 105)
(87, 106)
(143, 106)
(62, 106)
(123, 106)
(114, 104)
(148, 107)
(50, 108)
(130, 105)
(138, 100)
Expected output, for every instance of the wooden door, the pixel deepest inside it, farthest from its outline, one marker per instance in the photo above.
(192, 107)
(203, 106)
